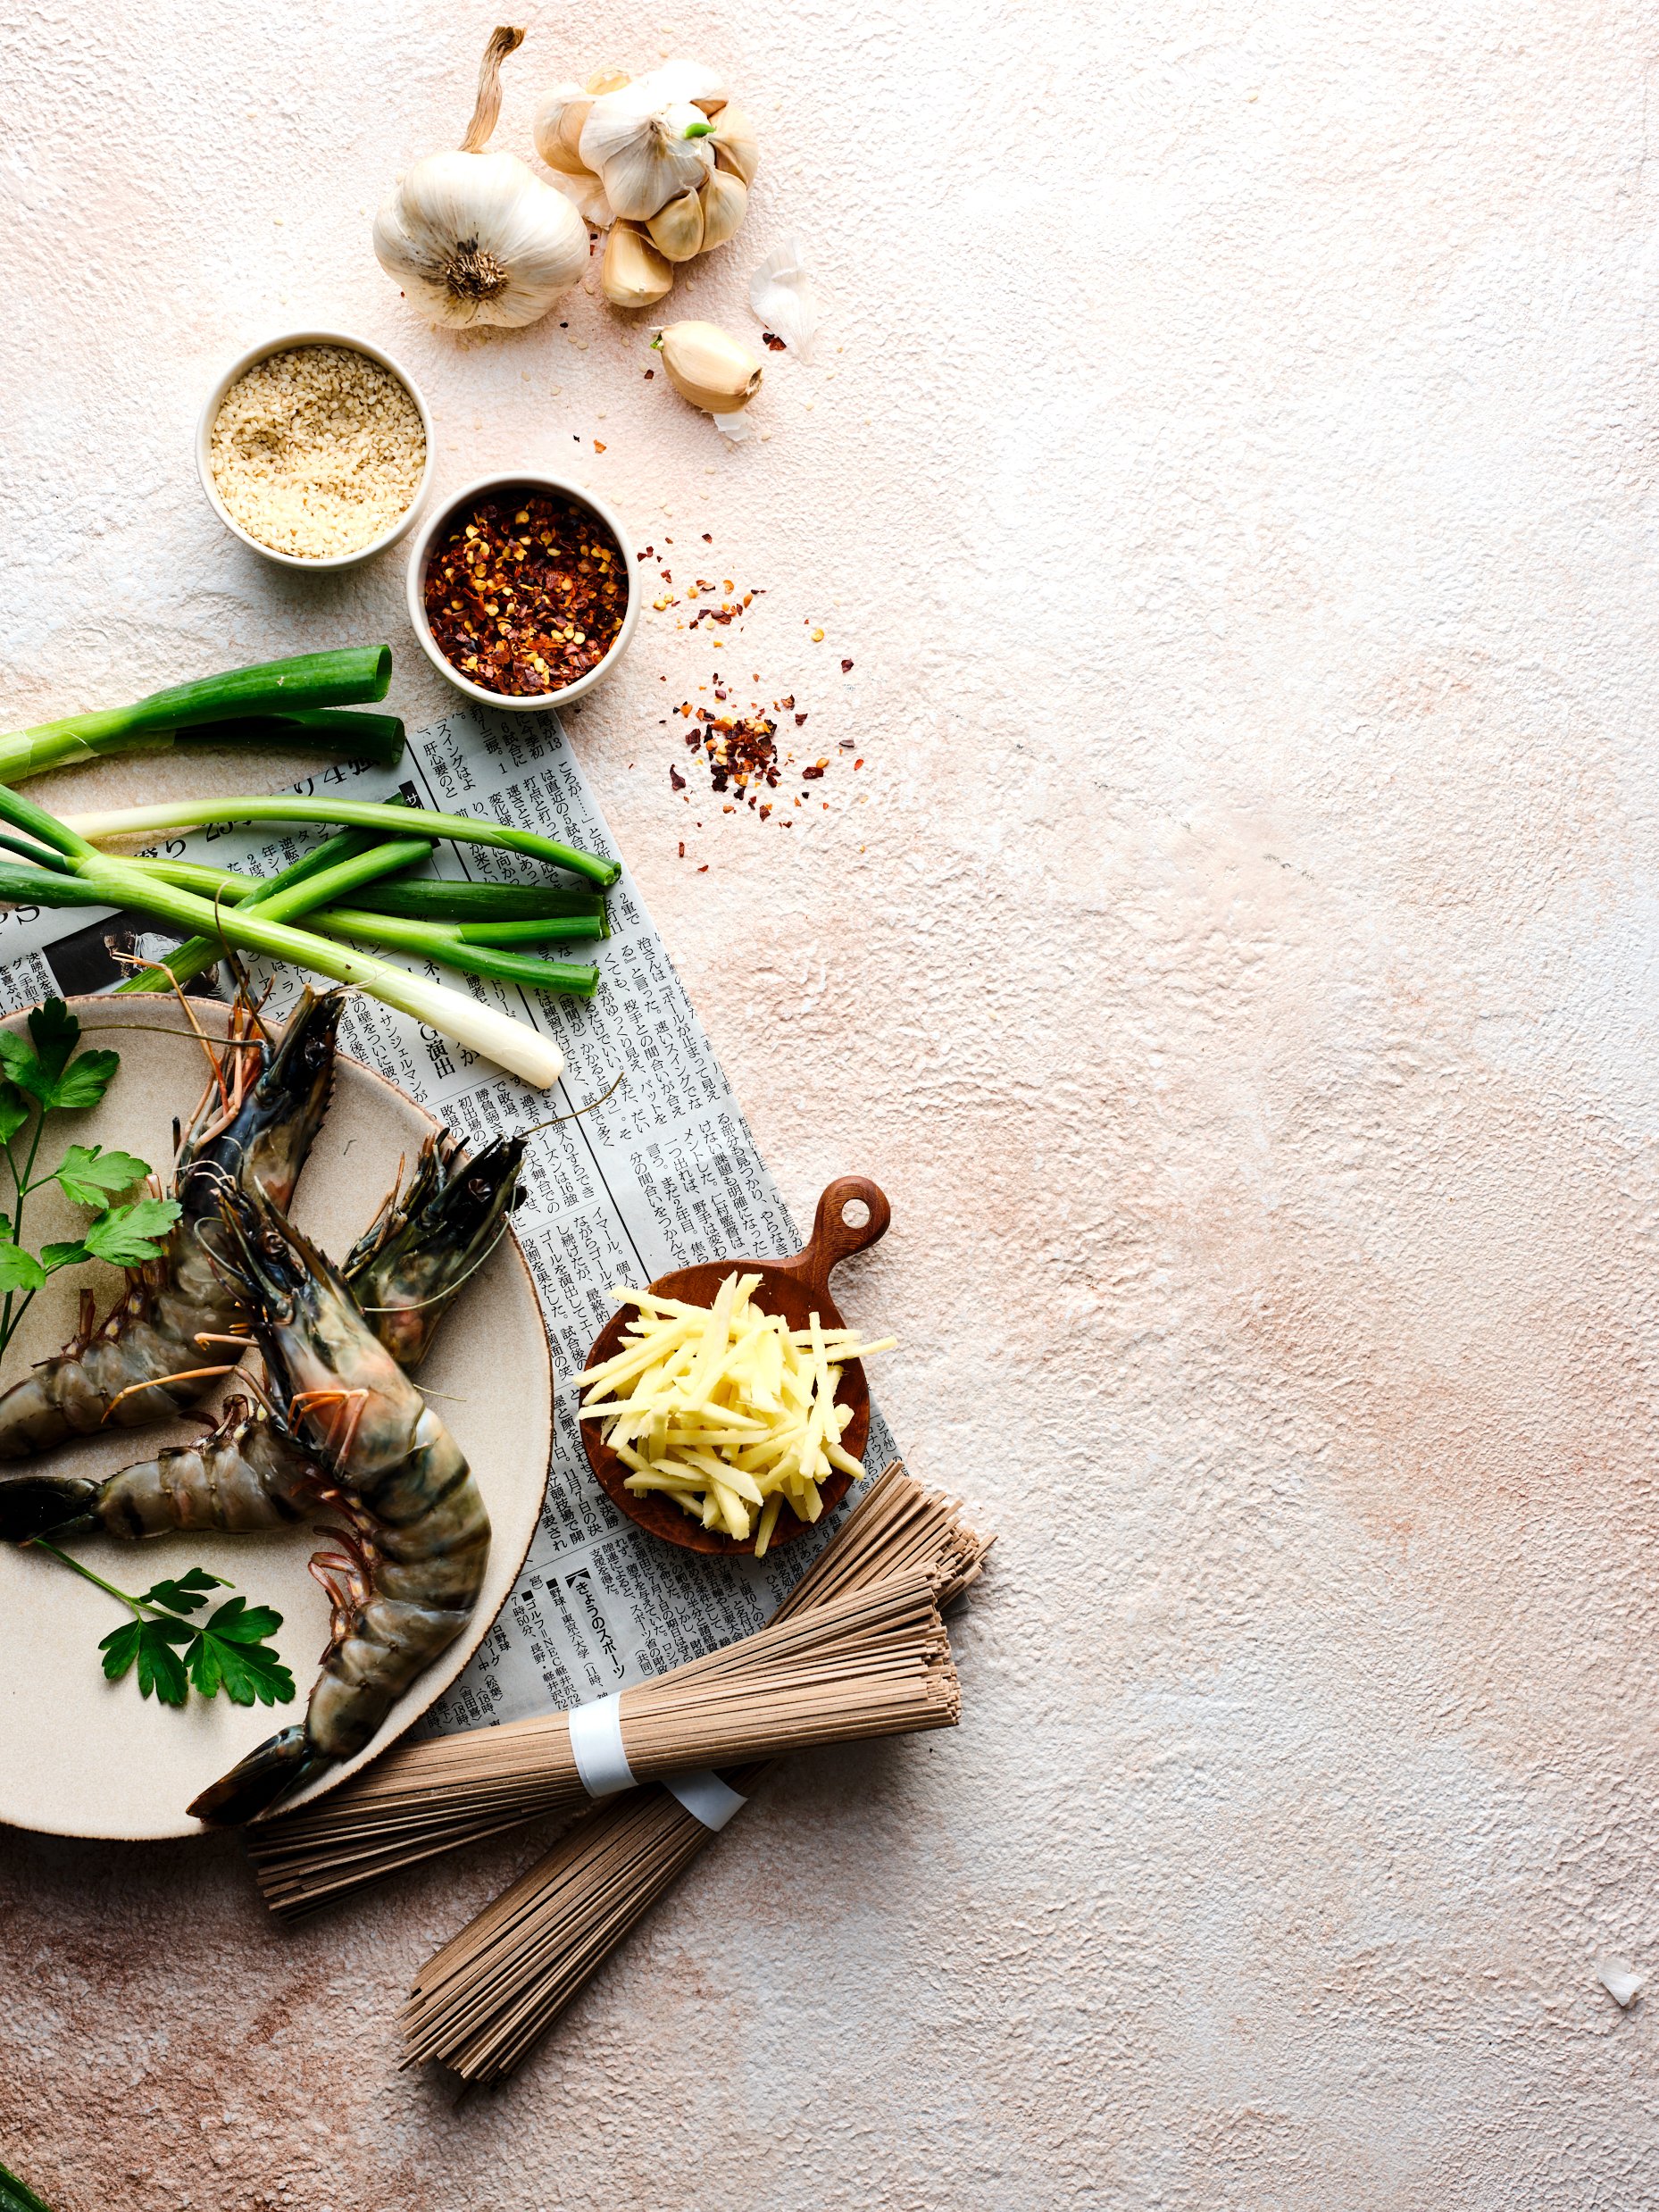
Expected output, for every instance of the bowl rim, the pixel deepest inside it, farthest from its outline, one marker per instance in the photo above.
(285, 342)
(539, 480)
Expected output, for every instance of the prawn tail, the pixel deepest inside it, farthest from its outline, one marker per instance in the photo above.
(283, 1762)
(46, 1505)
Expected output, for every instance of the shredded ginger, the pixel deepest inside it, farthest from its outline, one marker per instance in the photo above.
(727, 1410)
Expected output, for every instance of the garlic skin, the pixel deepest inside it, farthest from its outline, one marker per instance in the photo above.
(650, 141)
(676, 230)
(633, 273)
(709, 367)
(587, 196)
(473, 236)
(725, 199)
(784, 296)
(735, 146)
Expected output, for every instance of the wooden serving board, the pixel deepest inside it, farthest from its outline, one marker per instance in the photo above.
(83, 1757)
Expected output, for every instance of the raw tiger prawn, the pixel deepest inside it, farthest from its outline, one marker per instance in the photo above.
(264, 1105)
(250, 1473)
(414, 1535)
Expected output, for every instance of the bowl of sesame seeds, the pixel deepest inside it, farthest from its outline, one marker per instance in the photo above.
(523, 591)
(315, 449)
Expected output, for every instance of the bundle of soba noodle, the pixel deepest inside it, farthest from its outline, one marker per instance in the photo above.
(872, 1660)
(483, 2001)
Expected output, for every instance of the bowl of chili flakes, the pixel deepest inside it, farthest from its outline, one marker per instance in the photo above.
(522, 590)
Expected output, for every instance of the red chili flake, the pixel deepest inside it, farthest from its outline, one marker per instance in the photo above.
(526, 592)
(677, 780)
(703, 869)
(649, 374)
(597, 447)
(708, 539)
(682, 841)
(858, 763)
(772, 338)
(812, 774)
(799, 719)
(846, 668)
(847, 744)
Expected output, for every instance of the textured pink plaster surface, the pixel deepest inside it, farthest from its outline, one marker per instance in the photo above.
(1229, 466)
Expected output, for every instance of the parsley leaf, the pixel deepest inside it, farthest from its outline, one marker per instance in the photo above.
(189, 1592)
(150, 1643)
(89, 1173)
(126, 1235)
(19, 1270)
(15, 1112)
(231, 1653)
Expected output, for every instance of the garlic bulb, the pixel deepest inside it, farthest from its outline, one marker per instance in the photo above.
(734, 143)
(474, 237)
(633, 273)
(676, 230)
(725, 199)
(708, 367)
(650, 140)
(559, 119)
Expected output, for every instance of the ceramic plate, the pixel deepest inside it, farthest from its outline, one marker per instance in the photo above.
(83, 1757)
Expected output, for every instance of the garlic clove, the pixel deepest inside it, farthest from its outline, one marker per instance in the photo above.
(611, 79)
(709, 367)
(586, 193)
(725, 202)
(735, 146)
(648, 142)
(633, 273)
(676, 230)
(558, 129)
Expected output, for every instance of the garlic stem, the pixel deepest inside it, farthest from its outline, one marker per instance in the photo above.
(503, 40)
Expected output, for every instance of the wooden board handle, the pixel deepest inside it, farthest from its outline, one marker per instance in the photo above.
(834, 1238)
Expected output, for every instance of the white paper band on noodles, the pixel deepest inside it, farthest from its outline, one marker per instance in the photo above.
(596, 1747)
(705, 1797)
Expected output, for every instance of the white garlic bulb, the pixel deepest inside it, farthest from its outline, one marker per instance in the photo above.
(676, 230)
(725, 199)
(709, 367)
(633, 273)
(474, 237)
(649, 141)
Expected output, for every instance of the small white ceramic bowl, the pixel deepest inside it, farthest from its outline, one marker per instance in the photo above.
(515, 703)
(210, 416)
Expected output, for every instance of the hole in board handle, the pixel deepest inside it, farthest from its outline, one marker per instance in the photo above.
(855, 1214)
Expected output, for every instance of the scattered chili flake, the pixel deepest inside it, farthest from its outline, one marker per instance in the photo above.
(649, 374)
(682, 841)
(708, 539)
(772, 338)
(818, 637)
(597, 447)
(799, 719)
(847, 744)
(526, 592)
(846, 668)
(677, 780)
(812, 774)
(703, 869)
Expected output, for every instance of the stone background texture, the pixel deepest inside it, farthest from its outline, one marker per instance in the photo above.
(1228, 466)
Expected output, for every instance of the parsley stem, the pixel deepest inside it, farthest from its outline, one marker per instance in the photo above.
(136, 1605)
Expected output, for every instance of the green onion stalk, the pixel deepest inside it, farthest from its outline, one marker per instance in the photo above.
(75, 873)
(277, 702)
(351, 813)
(457, 948)
(340, 865)
(486, 913)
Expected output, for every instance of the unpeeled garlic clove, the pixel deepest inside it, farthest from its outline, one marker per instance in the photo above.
(709, 367)
(725, 199)
(676, 230)
(633, 273)
(589, 195)
(558, 127)
(734, 142)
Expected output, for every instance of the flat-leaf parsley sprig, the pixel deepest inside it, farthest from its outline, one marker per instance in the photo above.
(42, 1074)
(173, 1653)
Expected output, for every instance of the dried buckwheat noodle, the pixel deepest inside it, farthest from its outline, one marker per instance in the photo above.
(870, 1661)
(483, 2001)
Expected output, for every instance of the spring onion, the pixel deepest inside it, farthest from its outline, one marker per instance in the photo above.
(450, 945)
(486, 914)
(100, 880)
(297, 890)
(292, 689)
(356, 813)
